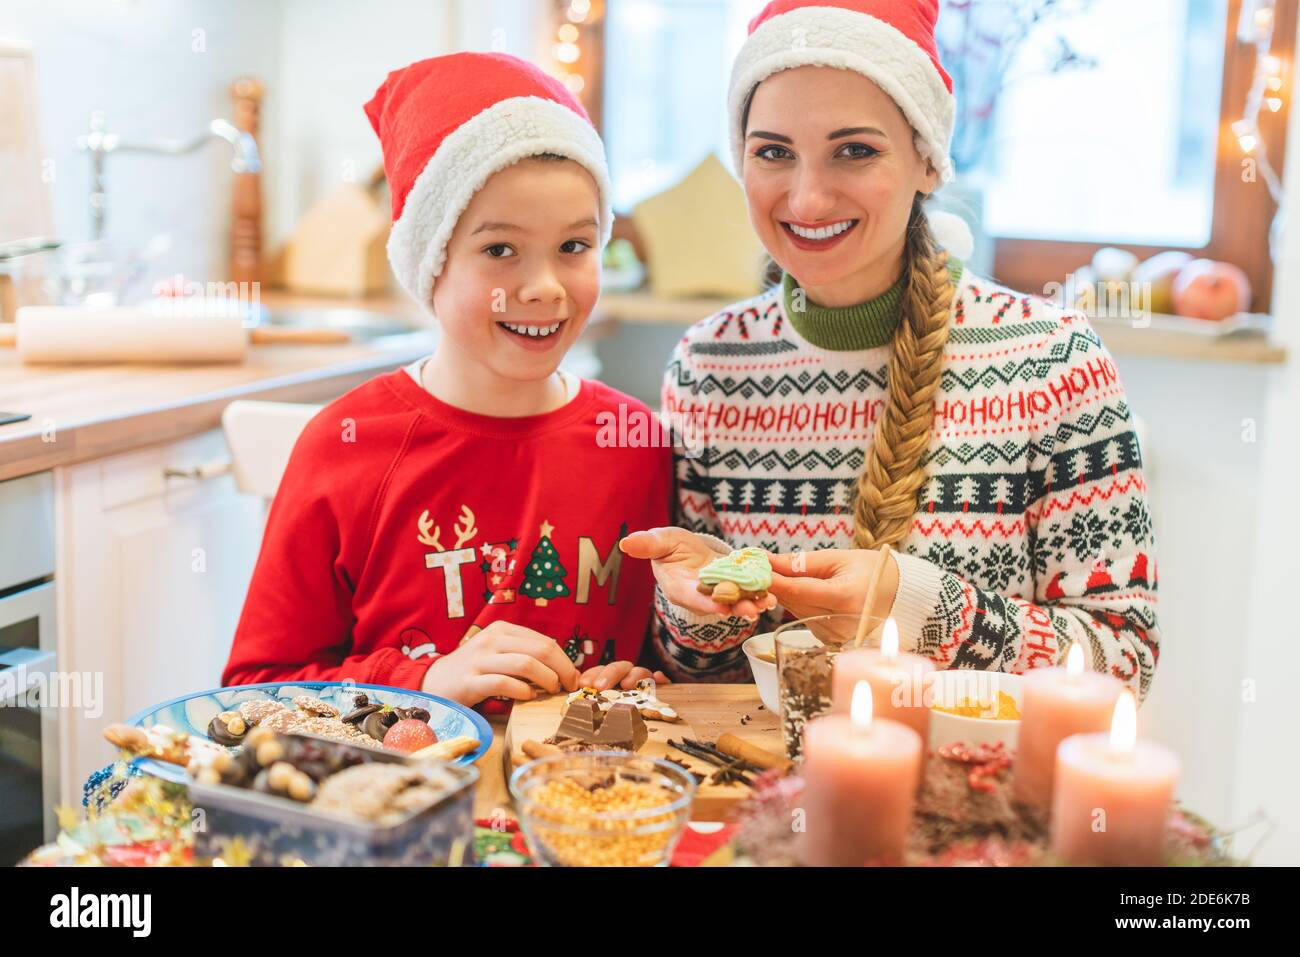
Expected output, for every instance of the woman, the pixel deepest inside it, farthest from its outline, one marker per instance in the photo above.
(881, 394)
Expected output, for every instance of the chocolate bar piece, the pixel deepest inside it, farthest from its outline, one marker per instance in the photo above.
(581, 720)
(620, 727)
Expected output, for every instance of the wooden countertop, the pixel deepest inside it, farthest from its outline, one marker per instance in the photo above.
(707, 711)
(492, 793)
(84, 412)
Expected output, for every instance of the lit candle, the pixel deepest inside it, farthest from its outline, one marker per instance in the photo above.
(1058, 702)
(899, 681)
(860, 775)
(1112, 796)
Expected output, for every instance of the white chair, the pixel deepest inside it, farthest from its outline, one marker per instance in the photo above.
(260, 436)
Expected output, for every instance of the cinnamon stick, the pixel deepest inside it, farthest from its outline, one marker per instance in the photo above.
(738, 747)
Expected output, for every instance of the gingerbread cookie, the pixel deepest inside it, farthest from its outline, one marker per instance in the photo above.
(745, 573)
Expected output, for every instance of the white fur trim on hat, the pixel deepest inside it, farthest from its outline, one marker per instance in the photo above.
(952, 233)
(499, 136)
(848, 40)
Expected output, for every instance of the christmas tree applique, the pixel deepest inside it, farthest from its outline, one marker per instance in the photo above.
(544, 576)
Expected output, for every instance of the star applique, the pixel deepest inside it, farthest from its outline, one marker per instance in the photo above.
(547, 528)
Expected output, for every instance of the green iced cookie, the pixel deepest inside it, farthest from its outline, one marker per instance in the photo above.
(747, 567)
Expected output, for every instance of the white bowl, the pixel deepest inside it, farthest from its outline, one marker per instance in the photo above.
(764, 671)
(959, 686)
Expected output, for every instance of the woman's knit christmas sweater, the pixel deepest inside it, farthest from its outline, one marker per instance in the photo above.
(1032, 530)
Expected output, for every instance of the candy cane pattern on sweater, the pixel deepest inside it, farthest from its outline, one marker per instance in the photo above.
(1032, 530)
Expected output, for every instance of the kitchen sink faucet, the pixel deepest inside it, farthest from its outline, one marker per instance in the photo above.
(99, 144)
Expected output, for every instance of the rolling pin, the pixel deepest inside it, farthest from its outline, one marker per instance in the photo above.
(136, 334)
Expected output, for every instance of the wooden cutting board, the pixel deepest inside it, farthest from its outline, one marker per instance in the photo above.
(707, 712)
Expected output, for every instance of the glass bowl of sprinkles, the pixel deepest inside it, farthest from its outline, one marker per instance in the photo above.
(602, 808)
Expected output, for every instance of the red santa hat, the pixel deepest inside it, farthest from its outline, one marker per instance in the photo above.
(891, 42)
(446, 125)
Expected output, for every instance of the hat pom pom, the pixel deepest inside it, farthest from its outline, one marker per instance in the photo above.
(951, 232)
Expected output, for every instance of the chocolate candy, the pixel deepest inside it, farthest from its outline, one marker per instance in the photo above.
(377, 724)
(360, 712)
(220, 731)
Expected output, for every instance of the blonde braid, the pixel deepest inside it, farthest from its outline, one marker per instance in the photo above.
(893, 474)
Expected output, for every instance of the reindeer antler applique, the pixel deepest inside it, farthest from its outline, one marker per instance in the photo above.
(465, 528)
(428, 531)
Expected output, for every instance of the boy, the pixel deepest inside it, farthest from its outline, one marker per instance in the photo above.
(454, 526)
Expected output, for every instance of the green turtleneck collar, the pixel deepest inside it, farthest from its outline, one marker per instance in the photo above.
(867, 325)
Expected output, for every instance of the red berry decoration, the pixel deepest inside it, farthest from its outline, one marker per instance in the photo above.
(408, 735)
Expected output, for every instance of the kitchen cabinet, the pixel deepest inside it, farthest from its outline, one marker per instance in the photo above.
(155, 551)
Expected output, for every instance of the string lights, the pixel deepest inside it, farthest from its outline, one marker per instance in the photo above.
(567, 51)
(1255, 28)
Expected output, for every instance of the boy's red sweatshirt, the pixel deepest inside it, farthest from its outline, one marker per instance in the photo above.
(403, 525)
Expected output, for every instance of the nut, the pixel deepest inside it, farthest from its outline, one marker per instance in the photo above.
(268, 752)
(301, 787)
(235, 725)
(281, 775)
(726, 593)
(259, 736)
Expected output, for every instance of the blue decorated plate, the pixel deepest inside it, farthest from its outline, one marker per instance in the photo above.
(193, 713)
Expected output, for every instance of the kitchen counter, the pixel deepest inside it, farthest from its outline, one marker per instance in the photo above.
(84, 412)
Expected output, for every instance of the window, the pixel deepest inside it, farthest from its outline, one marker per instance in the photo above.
(1120, 149)
(667, 63)
(1131, 145)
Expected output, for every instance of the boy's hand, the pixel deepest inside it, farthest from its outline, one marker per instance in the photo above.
(618, 674)
(677, 556)
(502, 660)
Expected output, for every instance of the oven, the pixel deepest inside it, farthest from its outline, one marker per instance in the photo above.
(29, 748)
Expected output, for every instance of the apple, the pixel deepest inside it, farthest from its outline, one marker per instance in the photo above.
(1159, 272)
(409, 735)
(1113, 265)
(1207, 289)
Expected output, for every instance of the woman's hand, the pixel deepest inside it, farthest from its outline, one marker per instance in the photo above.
(618, 674)
(832, 581)
(504, 661)
(677, 556)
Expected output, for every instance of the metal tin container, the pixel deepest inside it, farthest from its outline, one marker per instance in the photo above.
(239, 824)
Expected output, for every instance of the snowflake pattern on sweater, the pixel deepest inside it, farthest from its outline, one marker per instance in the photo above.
(1032, 530)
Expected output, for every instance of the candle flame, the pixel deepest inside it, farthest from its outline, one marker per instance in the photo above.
(889, 639)
(1074, 660)
(1123, 724)
(860, 706)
